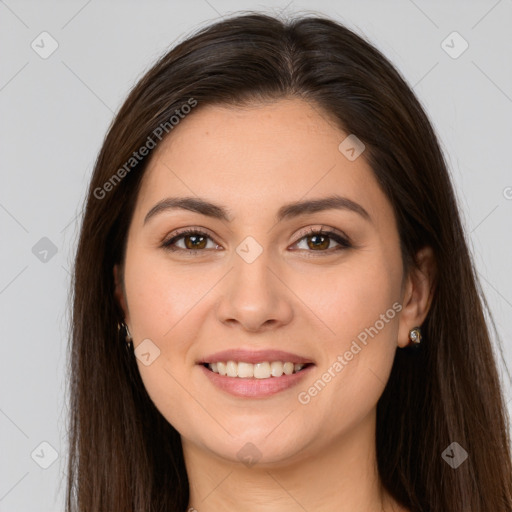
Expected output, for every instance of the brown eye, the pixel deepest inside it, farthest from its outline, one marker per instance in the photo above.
(194, 240)
(320, 241)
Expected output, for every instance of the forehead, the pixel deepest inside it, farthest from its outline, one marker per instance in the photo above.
(258, 157)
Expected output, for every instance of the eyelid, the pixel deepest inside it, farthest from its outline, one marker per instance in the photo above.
(322, 228)
(182, 232)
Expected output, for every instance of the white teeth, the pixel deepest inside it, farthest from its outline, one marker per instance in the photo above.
(244, 370)
(263, 370)
(221, 368)
(232, 369)
(288, 368)
(276, 368)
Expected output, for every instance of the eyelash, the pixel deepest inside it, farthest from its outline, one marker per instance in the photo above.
(343, 242)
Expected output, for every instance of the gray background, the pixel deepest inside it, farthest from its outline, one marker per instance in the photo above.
(54, 114)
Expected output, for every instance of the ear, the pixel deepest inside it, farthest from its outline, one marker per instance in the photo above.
(418, 294)
(119, 291)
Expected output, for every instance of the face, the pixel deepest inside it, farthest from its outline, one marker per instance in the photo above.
(314, 286)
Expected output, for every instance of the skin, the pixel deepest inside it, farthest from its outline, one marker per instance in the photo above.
(315, 456)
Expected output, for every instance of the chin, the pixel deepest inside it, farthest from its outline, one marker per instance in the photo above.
(256, 446)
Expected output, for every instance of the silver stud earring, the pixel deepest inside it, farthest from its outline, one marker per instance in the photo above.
(415, 336)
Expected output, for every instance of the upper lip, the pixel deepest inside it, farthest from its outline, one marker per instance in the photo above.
(254, 356)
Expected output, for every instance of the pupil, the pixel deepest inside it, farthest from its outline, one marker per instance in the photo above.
(320, 244)
(196, 240)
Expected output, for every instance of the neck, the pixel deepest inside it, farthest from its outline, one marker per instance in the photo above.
(342, 477)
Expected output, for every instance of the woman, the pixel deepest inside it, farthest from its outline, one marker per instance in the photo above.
(274, 303)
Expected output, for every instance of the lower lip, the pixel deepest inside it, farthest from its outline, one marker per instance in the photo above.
(252, 387)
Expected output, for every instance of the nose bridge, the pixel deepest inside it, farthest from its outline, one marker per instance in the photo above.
(252, 279)
(254, 296)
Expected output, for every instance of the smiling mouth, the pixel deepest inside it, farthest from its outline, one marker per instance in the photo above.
(263, 370)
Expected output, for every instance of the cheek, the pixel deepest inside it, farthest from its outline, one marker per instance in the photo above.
(160, 295)
(358, 302)
(350, 297)
(165, 306)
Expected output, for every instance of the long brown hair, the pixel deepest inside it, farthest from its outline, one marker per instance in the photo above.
(123, 454)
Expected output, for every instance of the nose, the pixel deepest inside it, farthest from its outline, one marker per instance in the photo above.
(254, 296)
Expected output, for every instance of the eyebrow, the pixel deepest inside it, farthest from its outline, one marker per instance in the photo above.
(287, 211)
